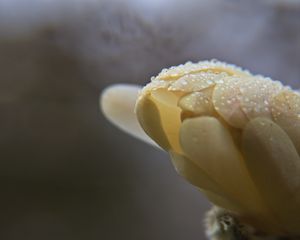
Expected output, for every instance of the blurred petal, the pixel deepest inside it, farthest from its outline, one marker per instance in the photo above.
(117, 103)
(274, 165)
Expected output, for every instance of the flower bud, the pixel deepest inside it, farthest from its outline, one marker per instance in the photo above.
(234, 135)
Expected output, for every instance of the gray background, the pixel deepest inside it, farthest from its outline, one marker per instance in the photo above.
(65, 172)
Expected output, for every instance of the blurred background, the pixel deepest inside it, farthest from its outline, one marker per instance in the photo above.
(67, 173)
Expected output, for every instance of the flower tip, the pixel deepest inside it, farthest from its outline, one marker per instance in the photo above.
(117, 103)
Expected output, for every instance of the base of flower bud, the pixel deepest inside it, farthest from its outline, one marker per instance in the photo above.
(223, 225)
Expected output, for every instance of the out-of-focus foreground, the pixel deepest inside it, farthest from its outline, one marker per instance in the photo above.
(65, 172)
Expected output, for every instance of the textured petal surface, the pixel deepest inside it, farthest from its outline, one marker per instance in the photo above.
(286, 113)
(256, 96)
(239, 99)
(227, 101)
(203, 66)
(196, 82)
(198, 103)
(198, 113)
(274, 165)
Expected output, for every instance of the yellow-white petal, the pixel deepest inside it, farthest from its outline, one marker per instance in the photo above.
(149, 117)
(274, 165)
(210, 146)
(117, 103)
(257, 95)
(286, 113)
(202, 66)
(198, 103)
(227, 101)
(199, 178)
(159, 116)
(193, 173)
(239, 99)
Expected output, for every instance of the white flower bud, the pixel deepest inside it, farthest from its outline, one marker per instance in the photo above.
(234, 135)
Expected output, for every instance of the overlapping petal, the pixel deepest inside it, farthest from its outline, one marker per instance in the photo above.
(233, 135)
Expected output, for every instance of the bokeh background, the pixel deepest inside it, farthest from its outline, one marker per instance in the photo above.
(67, 173)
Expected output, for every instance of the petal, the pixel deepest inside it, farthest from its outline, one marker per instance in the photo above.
(210, 146)
(257, 94)
(202, 66)
(199, 178)
(197, 103)
(286, 113)
(193, 173)
(274, 165)
(149, 117)
(159, 116)
(196, 82)
(227, 101)
(117, 103)
(238, 99)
